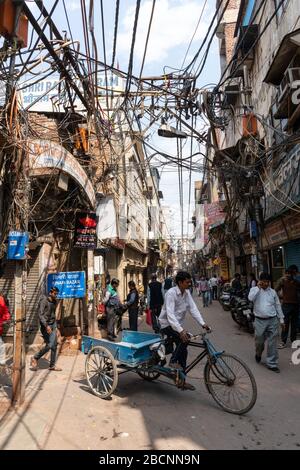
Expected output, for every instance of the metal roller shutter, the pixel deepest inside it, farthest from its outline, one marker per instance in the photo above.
(292, 253)
(7, 287)
(33, 293)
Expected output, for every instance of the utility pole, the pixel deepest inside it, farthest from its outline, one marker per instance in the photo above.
(18, 159)
(21, 222)
(92, 320)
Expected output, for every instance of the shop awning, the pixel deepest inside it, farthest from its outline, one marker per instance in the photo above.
(287, 49)
(46, 156)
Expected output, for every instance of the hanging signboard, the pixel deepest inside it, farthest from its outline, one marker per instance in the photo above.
(276, 233)
(214, 216)
(17, 245)
(71, 284)
(85, 235)
(224, 271)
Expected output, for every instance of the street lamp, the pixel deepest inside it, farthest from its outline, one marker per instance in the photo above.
(171, 132)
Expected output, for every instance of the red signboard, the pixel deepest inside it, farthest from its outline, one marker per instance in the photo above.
(85, 230)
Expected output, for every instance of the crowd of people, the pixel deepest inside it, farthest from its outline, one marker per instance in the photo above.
(169, 300)
(113, 306)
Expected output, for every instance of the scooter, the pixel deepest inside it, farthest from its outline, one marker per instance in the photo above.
(225, 297)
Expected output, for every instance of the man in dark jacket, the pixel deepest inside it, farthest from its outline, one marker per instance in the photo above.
(290, 289)
(48, 329)
(132, 302)
(155, 301)
(236, 284)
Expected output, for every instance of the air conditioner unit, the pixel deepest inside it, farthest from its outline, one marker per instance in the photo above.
(292, 75)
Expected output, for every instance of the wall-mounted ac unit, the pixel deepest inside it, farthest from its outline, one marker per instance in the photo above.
(292, 75)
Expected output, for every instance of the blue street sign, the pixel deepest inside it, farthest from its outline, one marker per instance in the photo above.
(17, 245)
(71, 285)
(253, 229)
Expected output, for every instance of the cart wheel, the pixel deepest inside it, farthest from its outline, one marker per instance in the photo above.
(101, 372)
(148, 374)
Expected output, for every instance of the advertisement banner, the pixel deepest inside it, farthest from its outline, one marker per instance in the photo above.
(214, 216)
(85, 234)
(71, 284)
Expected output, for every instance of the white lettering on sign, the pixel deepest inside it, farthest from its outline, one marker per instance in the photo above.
(52, 101)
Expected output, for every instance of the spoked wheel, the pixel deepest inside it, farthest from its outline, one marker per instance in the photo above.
(101, 372)
(231, 384)
(148, 374)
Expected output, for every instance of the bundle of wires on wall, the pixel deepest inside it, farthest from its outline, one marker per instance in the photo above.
(211, 102)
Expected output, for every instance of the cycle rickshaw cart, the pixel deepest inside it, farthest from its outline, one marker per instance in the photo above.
(227, 378)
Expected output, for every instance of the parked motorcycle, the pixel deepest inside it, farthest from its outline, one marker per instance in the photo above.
(225, 297)
(241, 312)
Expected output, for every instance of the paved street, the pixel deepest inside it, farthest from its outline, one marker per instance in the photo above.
(61, 413)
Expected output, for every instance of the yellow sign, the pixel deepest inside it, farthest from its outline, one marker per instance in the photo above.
(224, 272)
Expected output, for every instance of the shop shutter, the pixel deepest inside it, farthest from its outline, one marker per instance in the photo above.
(33, 292)
(292, 253)
(7, 287)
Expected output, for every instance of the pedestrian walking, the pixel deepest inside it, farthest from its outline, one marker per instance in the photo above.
(290, 289)
(48, 326)
(214, 286)
(168, 284)
(4, 318)
(132, 302)
(155, 301)
(204, 289)
(112, 306)
(253, 281)
(210, 297)
(268, 314)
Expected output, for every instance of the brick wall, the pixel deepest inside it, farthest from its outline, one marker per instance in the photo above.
(230, 41)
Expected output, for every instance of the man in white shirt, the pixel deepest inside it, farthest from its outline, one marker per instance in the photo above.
(268, 314)
(178, 301)
(214, 285)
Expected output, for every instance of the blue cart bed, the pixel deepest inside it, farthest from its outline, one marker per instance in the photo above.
(132, 350)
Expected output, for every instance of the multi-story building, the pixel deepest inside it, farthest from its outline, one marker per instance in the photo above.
(258, 157)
